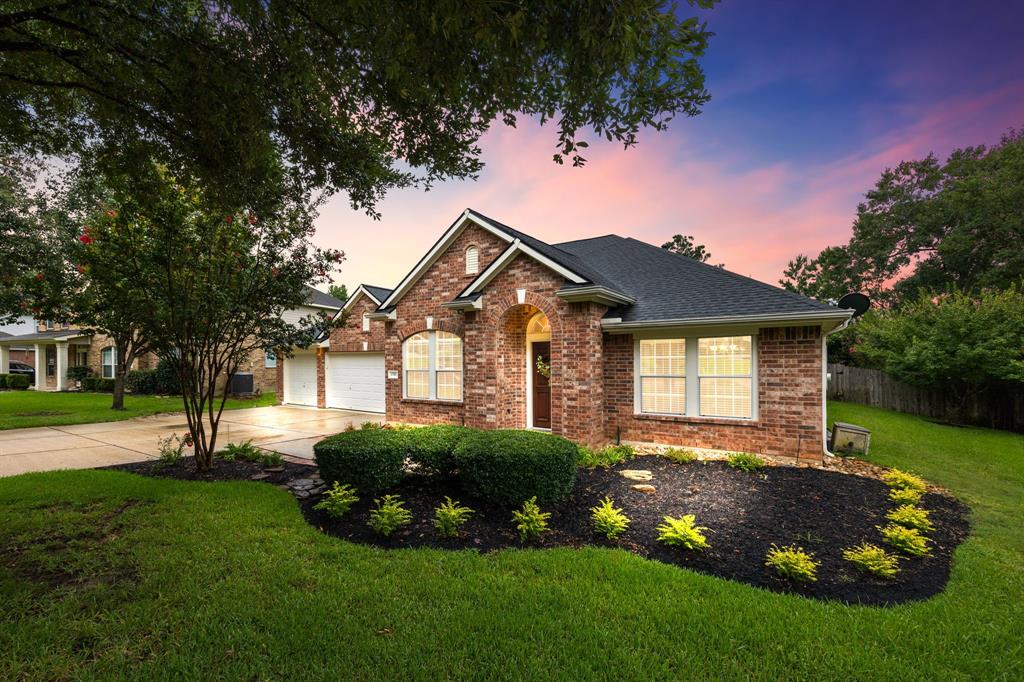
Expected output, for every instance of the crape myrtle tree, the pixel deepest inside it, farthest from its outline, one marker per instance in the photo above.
(251, 97)
(211, 282)
(21, 250)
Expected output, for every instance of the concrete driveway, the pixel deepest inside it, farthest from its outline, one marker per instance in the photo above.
(291, 431)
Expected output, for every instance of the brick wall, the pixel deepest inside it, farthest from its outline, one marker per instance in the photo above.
(789, 421)
(351, 337)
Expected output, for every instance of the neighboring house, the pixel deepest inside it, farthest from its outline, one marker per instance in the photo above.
(61, 346)
(599, 340)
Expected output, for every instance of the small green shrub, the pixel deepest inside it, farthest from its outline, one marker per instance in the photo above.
(140, 381)
(904, 496)
(609, 520)
(241, 451)
(909, 516)
(792, 562)
(902, 480)
(682, 532)
(171, 449)
(3, 380)
(680, 455)
(531, 522)
(906, 540)
(433, 447)
(18, 382)
(99, 384)
(873, 559)
(389, 515)
(366, 426)
(79, 372)
(369, 460)
(605, 457)
(337, 500)
(450, 516)
(270, 459)
(509, 466)
(745, 461)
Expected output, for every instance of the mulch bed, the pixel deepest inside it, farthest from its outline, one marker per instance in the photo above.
(820, 510)
(185, 470)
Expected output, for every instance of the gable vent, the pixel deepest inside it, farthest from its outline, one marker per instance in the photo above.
(472, 260)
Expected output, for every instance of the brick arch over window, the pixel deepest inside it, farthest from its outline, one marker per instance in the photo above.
(509, 320)
(410, 328)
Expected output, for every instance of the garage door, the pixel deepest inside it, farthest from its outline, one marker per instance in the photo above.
(355, 381)
(300, 380)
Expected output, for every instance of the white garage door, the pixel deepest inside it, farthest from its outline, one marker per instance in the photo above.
(355, 381)
(300, 380)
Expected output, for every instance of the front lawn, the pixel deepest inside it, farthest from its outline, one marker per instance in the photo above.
(109, 575)
(21, 409)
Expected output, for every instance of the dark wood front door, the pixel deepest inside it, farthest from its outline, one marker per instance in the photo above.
(541, 385)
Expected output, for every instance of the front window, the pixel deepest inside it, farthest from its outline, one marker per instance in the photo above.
(432, 365)
(726, 377)
(107, 358)
(366, 322)
(269, 360)
(663, 376)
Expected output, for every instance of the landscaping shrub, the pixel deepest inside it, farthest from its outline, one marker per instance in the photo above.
(873, 559)
(3, 380)
(337, 500)
(682, 532)
(140, 381)
(369, 460)
(241, 451)
(904, 496)
(902, 480)
(449, 517)
(18, 382)
(171, 449)
(609, 520)
(165, 378)
(99, 384)
(433, 447)
(389, 515)
(79, 372)
(792, 562)
(909, 516)
(269, 458)
(531, 522)
(906, 540)
(745, 461)
(509, 466)
(605, 457)
(680, 455)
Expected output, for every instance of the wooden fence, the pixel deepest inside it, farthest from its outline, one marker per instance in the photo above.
(999, 408)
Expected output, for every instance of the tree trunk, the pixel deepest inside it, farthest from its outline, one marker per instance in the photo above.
(118, 389)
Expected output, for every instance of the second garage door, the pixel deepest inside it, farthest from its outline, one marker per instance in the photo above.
(355, 381)
(300, 380)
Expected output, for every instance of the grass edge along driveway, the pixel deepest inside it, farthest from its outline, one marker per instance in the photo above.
(25, 409)
(105, 574)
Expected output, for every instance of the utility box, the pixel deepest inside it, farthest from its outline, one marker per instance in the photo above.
(242, 383)
(849, 439)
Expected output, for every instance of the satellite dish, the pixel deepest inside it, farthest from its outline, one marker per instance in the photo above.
(855, 301)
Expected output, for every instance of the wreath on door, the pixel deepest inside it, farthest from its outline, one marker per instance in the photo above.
(543, 368)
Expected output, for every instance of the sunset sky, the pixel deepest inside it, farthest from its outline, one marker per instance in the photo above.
(810, 102)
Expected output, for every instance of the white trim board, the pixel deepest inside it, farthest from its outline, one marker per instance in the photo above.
(514, 249)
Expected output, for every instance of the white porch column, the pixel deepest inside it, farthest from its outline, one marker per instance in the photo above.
(40, 367)
(62, 365)
(5, 359)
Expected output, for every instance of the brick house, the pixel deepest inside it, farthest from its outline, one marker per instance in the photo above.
(599, 340)
(55, 346)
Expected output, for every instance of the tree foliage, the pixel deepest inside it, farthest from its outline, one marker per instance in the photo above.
(684, 245)
(338, 291)
(927, 226)
(252, 98)
(957, 342)
(21, 250)
(210, 283)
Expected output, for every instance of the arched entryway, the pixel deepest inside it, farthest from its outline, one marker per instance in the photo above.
(527, 389)
(538, 372)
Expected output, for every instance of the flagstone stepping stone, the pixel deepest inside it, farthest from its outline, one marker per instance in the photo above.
(645, 488)
(260, 476)
(637, 474)
(301, 483)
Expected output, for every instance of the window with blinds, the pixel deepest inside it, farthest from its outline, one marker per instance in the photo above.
(725, 367)
(663, 376)
(432, 365)
(472, 260)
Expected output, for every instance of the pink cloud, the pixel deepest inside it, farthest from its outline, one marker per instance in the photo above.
(752, 216)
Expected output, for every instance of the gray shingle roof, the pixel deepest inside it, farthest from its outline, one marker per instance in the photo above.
(380, 293)
(45, 336)
(317, 297)
(668, 286)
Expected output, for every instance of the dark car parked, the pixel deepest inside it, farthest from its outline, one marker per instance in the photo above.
(23, 369)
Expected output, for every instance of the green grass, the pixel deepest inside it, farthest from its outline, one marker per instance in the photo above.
(22, 409)
(227, 581)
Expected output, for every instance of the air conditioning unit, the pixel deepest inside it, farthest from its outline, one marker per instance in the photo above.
(243, 383)
(849, 439)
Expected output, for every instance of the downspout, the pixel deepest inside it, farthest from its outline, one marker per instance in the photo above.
(824, 386)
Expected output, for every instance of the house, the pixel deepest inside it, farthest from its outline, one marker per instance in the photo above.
(599, 340)
(60, 345)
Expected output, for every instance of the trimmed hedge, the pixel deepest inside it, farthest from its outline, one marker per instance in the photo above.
(510, 466)
(369, 460)
(98, 384)
(159, 381)
(16, 381)
(433, 447)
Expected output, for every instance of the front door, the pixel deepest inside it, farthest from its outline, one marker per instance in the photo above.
(540, 367)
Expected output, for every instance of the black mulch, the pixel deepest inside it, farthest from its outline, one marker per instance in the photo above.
(821, 511)
(185, 470)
